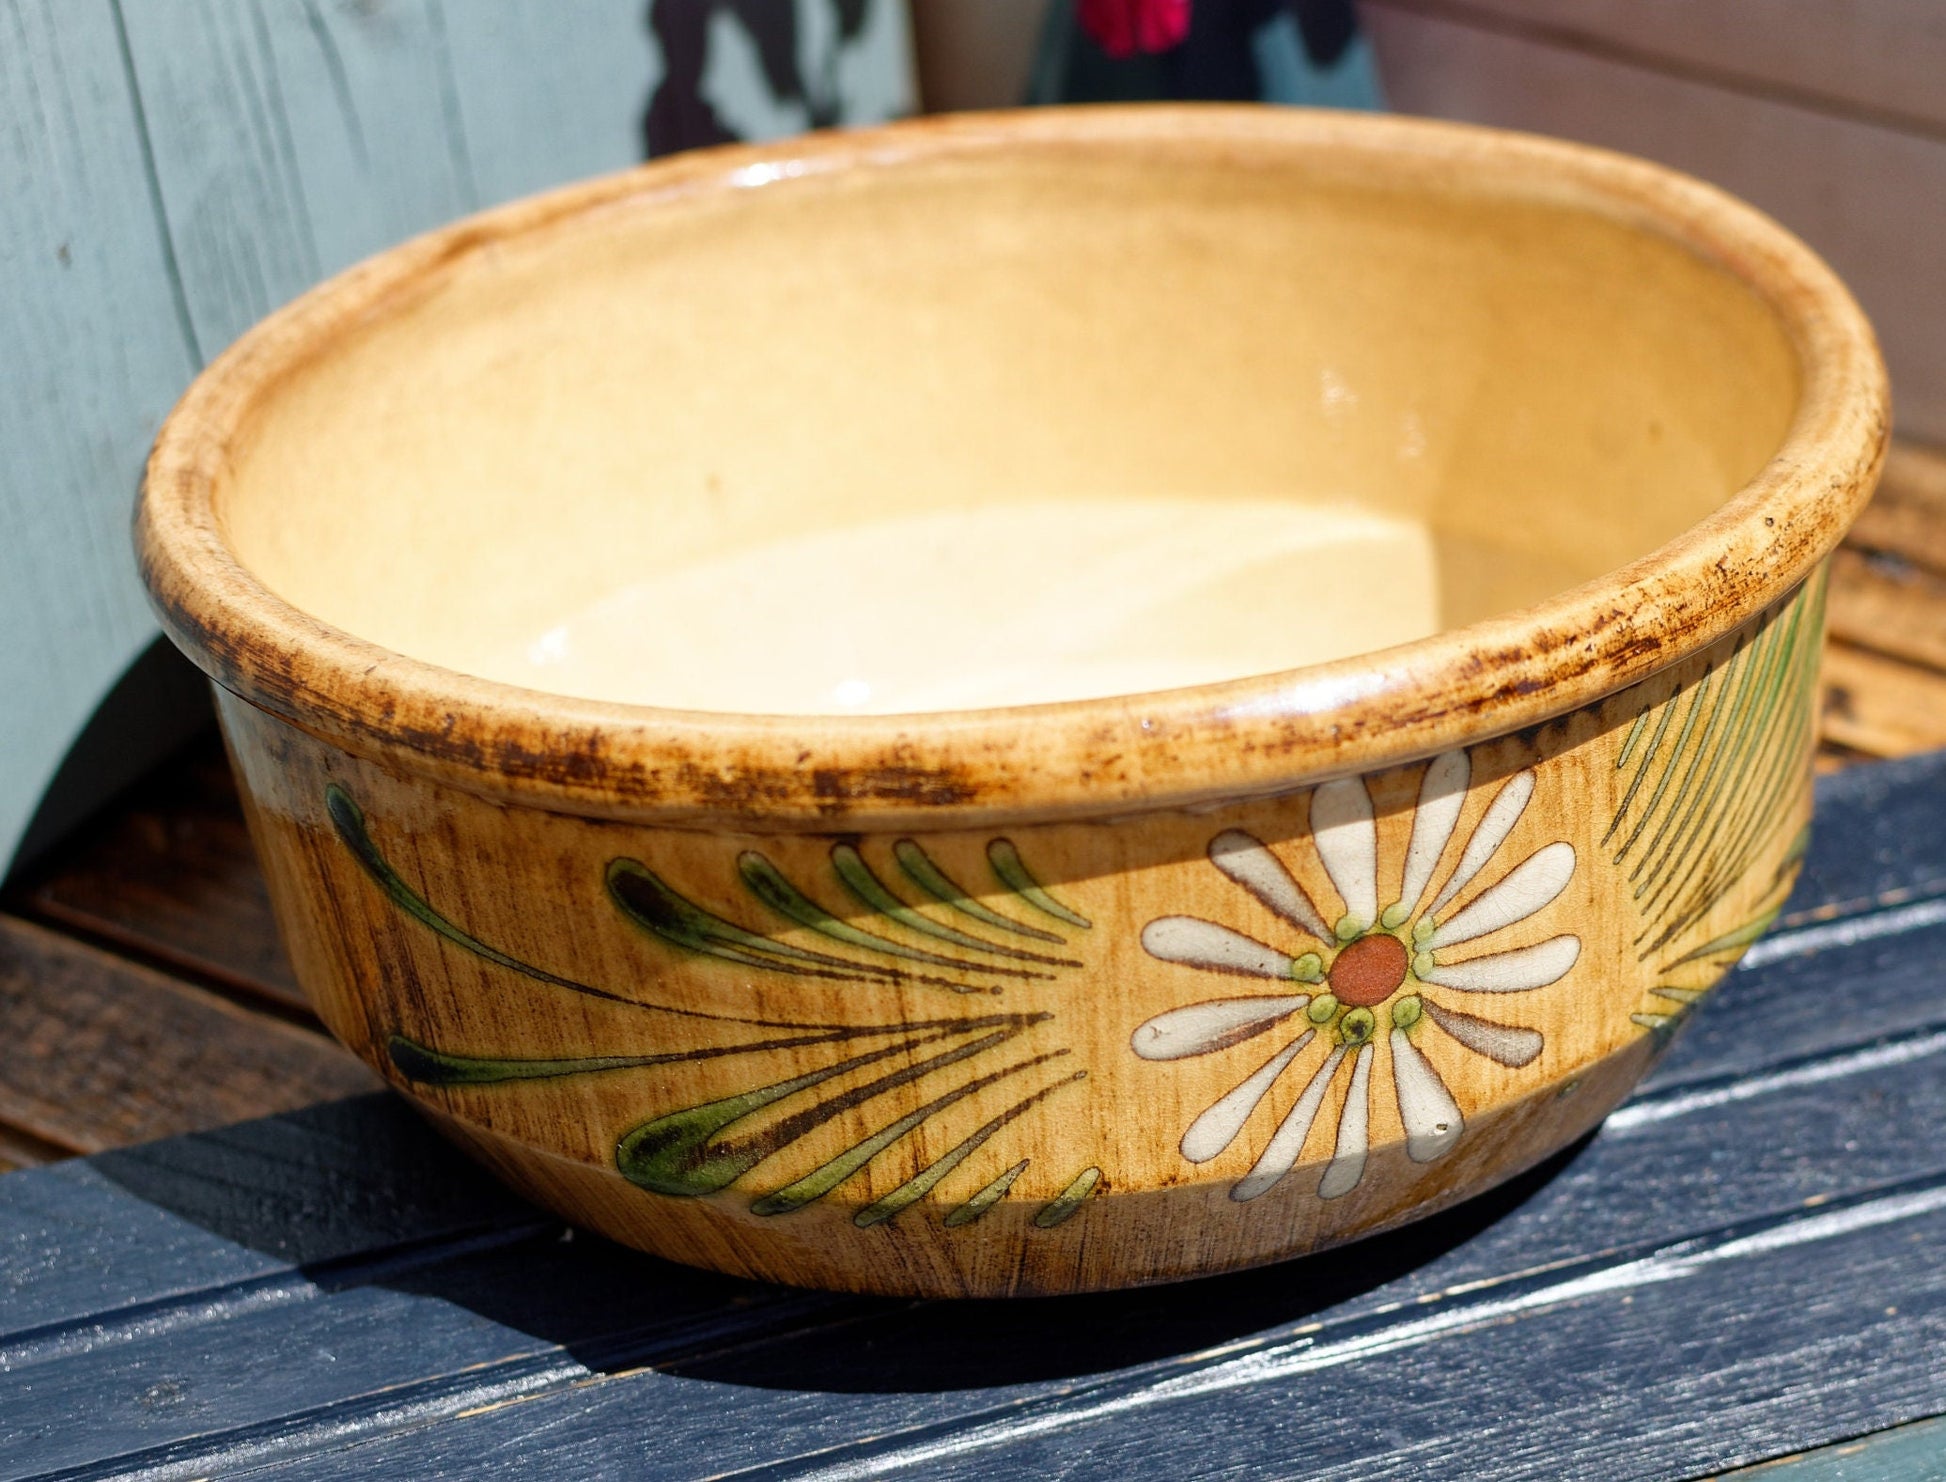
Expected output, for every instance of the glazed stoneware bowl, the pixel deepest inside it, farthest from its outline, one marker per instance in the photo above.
(1074, 995)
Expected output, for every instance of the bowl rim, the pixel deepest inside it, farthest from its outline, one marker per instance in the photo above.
(1230, 740)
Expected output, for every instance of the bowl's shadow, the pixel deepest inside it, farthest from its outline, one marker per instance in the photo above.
(360, 1194)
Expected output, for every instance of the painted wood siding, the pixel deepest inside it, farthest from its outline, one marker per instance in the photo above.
(172, 170)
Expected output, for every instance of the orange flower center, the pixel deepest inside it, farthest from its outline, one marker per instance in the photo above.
(1369, 970)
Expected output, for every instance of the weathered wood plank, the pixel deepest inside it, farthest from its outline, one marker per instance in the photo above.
(1889, 606)
(132, 1241)
(1907, 516)
(410, 1343)
(170, 878)
(1658, 1361)
(1779, 1332)
(102, 1052)
(291, 140)
(1881, 706)
(547, 93)
(95, 352)
(1885, 852)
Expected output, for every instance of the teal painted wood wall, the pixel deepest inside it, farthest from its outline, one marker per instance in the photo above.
(172, 170)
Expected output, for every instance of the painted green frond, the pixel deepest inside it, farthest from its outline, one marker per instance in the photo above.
(1766, 673)
(1705, 760)
(1012, 872)
(650, 903)
(869, 890)
(683, 1154)
(1634, 735)
(828, 1175)
(427, 1066)
(348, 819)
(1641, 772)
(921, 871)
(1064, 1204)
(1730, 941)
(1697, 698)
(1724, 788)
(985, 1198)
(923, 1182)
(767, 883)
(1762, 807)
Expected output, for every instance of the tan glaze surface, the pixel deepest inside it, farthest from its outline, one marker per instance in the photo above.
(1589, 376)
(1045, 999)
(586, 1025)
(1018, 604)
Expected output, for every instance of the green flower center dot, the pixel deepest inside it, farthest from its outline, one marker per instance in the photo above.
(1322, 1008)
(1423, 928)
(1357, 1026)
(1422, 965)
(1348, 927)
(1393, 916)
(1406, 1012)
(1308, 968)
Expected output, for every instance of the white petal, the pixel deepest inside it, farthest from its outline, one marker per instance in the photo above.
(1287, 1142)
(1354, 1127)
(1530, 885)
(1441, 796)
(1245, 860)
(1201, 943)
(1216, 1024)
(1509, 972)
(1218, 1127)
(1346, 839)
(1506, 1044)
(1501, 816)
(1432, 1118)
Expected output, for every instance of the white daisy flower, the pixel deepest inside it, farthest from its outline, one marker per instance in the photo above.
(1367, 979)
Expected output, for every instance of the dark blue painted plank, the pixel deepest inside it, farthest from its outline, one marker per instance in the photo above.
(1654, 1362)
(1682, 1360)
(123, 1235)
(411, 1344)
(1852, 983)
(1879, 839)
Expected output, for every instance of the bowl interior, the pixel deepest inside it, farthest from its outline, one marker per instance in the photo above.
(1394, 398)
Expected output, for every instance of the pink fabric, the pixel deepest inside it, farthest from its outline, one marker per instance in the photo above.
(1124, 27)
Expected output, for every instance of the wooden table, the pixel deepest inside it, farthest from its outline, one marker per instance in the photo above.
(1740, 1264)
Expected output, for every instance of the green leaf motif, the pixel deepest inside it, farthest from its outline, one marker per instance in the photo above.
(1713, 802)
(706, 1148)
(684, 1155)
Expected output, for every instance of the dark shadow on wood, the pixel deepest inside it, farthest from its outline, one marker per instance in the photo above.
(407, 1214)
(934, 1346)
(157, 706)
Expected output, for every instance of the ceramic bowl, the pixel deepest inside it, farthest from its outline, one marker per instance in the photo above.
(1076, 995)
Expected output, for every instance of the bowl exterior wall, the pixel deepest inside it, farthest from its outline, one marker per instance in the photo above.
(1058, 1057)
